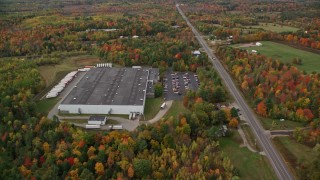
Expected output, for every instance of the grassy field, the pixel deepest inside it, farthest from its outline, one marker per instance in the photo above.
(310, 61)
(45, 105)
(279, 125)
(176, 108)
(250, 165)
(79, 121)
(275, 27)
(250, 137)
(84, 115)
(293, 152)
(111, 121)
(50, 72)
(152, 107)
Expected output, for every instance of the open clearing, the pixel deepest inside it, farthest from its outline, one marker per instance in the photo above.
(45, 105)
(152, 107)
(279, 125)
(284, 53)
(294, 152)
(250, 165)
(176, 108)
(274, 27)
(51, 72)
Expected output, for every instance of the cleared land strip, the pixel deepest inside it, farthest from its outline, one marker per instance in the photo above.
(275, 159)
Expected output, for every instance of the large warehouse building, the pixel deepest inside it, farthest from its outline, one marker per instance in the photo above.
(110, 91)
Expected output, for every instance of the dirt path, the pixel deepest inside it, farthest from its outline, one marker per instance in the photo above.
(245, 141)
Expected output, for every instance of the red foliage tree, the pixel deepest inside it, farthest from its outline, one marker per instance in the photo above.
(262, 109)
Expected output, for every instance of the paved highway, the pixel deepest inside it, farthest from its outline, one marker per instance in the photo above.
(275, 159)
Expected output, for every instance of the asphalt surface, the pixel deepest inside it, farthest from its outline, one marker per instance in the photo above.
(181, 81)
(64, 93)
(273, 155)
(127, 124)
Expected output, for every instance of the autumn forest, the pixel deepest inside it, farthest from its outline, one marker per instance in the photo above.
(40, 40)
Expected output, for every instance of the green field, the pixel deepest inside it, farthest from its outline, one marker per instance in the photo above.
(79, 121)
(45, 105)
(50, 72)
(294, 152)
(284, 53)
(250, 165)
(152, 107)
(274, 27)
(176, 108)
(279, 125)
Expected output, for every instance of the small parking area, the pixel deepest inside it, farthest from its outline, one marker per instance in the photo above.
(177, 83)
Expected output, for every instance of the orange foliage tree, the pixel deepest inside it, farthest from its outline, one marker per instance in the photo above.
(234, 123)
(262, 109)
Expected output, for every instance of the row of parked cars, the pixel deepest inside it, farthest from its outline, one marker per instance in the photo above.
(179, 80)
(175, 83)
(197, 79)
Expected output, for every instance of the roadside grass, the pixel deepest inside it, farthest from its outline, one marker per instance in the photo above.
(152, 107)
(250, 137)
(274, 27)
(276, 124)
(284, 53)
(176, 108)
(45, 105)
(293, 152)
(249, 165)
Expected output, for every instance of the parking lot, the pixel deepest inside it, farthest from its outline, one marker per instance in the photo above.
(177, 83)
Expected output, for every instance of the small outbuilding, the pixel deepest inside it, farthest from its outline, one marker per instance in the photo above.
(196, 53)
(97, 120)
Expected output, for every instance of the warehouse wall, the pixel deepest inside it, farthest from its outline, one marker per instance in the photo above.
(101, 109)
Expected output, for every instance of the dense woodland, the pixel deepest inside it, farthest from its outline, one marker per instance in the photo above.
(34, 34)
(177, 147)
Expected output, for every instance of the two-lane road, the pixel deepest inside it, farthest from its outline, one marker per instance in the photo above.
(275, 159)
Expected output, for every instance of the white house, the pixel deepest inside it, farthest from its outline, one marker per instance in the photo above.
(196, 52)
